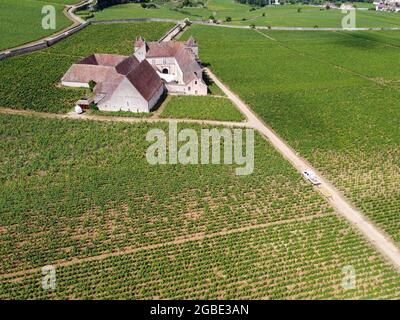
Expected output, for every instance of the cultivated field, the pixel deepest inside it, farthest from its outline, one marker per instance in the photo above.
(332, 95)
(32, 81)
(220, 9)
(283, 16)
(21, 21)
(76, 189)
(81, 196)
(211, 108)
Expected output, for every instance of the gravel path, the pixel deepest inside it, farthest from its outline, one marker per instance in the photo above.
(376, 237)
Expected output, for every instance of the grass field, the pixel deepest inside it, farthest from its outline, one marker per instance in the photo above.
(32, 81)
(76, 189)
(211, 108)
(287, 16)
(220, 9)
(333, 96)
(284, 16)
(21, 21)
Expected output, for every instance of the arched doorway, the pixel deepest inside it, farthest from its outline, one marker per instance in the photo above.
(165, 71)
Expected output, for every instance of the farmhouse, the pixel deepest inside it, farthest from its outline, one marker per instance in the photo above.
(122, 82)
(176, 63)
(136, 83)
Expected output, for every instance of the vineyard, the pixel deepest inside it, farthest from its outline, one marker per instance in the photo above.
(21, 21)
(299, 260)
(211, 108)
(220, 9)
(32, 81)
(241, 14)
(333, 96)
(81, 196)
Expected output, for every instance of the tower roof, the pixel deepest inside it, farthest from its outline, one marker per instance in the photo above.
(139, 41)
(191, 42)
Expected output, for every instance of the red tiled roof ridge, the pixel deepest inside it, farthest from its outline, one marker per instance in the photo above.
(145, 79)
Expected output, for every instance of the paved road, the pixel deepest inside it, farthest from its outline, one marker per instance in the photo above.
(377, 238)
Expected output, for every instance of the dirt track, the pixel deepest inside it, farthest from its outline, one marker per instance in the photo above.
(376, 237)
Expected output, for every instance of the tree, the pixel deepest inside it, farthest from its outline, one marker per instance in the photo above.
(92, 84)
(102, 4)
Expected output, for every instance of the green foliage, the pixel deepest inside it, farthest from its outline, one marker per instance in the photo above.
(94, 107)
(92, 84)
(13, 13)
(76, 189)
(32, 81)
(205, 107)
(102, 4)
(277, 15)
(340, 114)
(112, 38)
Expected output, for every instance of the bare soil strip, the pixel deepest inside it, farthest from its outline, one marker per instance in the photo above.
(92, 117)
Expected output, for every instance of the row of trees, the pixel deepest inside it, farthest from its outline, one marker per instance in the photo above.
(102, 4)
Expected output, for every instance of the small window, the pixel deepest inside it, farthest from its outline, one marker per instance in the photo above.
(188, 88)
(195, 82)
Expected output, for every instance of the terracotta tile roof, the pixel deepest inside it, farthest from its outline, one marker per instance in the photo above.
(183, 55)
(110, 60)
(89, 60)
(83, 73)
(108, 87)
(188, 64)
(145, 79)
(191, 42)
(127, 65)
(163, 49)
(108, 71)
(139, 41)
